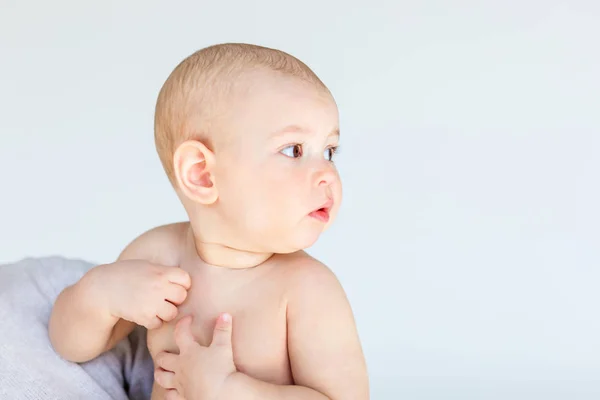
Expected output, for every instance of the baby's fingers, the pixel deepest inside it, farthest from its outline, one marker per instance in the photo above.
(179, 276)
(167, 311)
(167, 361)
(173, 394)
(153, 323)
(166, 379)
(176, 294)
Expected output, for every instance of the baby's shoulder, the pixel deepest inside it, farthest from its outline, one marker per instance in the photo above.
(161, 244)
(301, 272)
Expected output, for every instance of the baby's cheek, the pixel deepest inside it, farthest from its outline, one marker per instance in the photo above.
(260, 212)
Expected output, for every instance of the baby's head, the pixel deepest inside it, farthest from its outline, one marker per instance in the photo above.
(246, 135)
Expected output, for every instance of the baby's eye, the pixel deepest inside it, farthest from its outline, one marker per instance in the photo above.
(293, 151)
(329, 153)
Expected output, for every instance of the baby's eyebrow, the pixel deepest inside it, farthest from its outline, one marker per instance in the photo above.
(290, 129)
(300, 129)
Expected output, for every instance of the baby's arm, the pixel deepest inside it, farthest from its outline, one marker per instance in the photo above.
(81, 324)
(325, 352)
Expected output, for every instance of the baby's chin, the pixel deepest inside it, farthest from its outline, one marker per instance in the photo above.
(289, 242)
(290, 239)
(304, 237)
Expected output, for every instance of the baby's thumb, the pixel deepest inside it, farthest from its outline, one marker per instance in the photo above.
(222, 332)
(183, 333)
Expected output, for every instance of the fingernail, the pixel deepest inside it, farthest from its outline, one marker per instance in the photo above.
(226, 318)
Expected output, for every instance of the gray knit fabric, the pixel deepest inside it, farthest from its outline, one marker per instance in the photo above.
(29, 367)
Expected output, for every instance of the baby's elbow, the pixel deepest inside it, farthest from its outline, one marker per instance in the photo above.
(349, 395)
(352, 389)
(348, 390)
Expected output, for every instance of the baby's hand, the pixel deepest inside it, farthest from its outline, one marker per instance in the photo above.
(197, 372)
(141, 292)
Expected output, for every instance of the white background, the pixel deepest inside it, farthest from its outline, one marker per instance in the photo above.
(468, 238)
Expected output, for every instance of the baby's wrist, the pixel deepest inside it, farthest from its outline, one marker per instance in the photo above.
(234, 386)
(95, 285)
(228, 388)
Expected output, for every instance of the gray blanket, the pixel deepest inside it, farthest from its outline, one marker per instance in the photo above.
(29, 367)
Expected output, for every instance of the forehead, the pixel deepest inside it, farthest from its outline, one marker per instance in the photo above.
(269, 102)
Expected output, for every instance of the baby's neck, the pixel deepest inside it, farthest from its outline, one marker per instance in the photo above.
(218, 255)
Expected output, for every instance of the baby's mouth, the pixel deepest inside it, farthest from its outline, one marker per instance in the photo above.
(322, 213)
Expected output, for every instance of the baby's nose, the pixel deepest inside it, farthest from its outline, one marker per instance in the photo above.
(325, 176)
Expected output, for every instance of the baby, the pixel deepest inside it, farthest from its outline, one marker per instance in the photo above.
(247, 136)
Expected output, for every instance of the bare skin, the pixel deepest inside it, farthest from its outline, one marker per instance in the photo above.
(253, 208)
(257, 300)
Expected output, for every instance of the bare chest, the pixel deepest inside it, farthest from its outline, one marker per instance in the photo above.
(259, 334)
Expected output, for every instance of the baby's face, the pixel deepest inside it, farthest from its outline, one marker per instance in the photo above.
(278, 185)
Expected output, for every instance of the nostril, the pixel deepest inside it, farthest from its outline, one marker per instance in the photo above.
(324, 182)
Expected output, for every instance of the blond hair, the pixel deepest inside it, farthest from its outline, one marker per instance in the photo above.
(188, 103)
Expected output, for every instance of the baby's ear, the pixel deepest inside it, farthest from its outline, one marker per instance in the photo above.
(194, 164)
